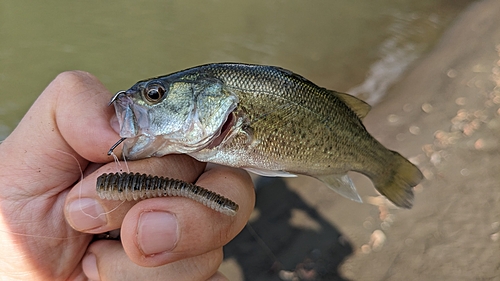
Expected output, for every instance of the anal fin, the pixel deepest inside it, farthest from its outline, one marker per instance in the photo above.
(343, 185)
(269, 173)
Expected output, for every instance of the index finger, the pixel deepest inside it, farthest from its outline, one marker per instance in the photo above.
(71, 117)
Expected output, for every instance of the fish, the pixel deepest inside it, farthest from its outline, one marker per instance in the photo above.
(264, 119)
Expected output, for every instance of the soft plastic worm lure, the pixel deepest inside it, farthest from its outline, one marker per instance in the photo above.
(135, 186)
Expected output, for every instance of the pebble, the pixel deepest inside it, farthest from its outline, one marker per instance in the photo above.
(392, 118)
(479, 144)
(385, 225)
(366, 249)
(426, 107)
(495, 236)
(400, 137)
(367, 224)
(428, 174)
(461, 101)
(409, 242)
(452, 73)
(419, 188)
(495, 225)
(377, 240)
(408, 107)
(465, 172)
(414, 130)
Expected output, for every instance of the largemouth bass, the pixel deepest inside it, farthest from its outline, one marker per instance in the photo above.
(264, 119)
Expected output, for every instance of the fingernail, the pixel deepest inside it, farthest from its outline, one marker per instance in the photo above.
(86, 214)
(89, 266)
(157, 232)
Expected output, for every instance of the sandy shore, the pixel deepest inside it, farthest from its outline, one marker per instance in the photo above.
(445, 117)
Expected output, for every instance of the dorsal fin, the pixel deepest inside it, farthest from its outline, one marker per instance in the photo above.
(359, 107)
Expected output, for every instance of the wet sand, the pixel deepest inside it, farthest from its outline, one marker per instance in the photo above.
(444, 115)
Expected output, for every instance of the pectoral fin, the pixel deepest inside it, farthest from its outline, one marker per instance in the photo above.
(343, 185)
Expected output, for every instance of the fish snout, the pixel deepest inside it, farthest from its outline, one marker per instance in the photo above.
(126, 115)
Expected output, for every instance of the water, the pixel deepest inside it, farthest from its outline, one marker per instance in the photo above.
(356, 46)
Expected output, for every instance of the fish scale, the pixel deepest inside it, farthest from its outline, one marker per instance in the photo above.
(265, 119)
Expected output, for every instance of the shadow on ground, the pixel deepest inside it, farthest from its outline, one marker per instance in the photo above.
(276, 246)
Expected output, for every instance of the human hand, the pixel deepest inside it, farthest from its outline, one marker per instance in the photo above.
(67, 131)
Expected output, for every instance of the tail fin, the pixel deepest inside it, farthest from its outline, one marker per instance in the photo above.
(397, 183)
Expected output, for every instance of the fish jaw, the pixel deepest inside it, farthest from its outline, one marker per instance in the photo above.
(125, 115)
(139, 147)
(132, 119)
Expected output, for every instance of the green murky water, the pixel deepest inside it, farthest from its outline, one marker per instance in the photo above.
(356, 46)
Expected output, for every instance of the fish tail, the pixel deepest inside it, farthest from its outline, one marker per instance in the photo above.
(397, 181)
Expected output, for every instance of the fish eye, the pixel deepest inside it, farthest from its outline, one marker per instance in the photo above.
(154, 93)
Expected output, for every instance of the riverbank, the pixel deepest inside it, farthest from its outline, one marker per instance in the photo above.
(445, 116)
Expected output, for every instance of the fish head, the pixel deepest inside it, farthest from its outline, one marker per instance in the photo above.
(161, 116)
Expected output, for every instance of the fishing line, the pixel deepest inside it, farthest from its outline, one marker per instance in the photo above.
(53, 237)
(80, 184)
(118, 163)
(264, 246)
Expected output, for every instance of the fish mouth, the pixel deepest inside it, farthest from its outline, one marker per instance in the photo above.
(142, 146)
(136, 148)
(224, 131)
(131, 118)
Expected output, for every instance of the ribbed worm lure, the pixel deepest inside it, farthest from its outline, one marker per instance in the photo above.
(135, 186)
